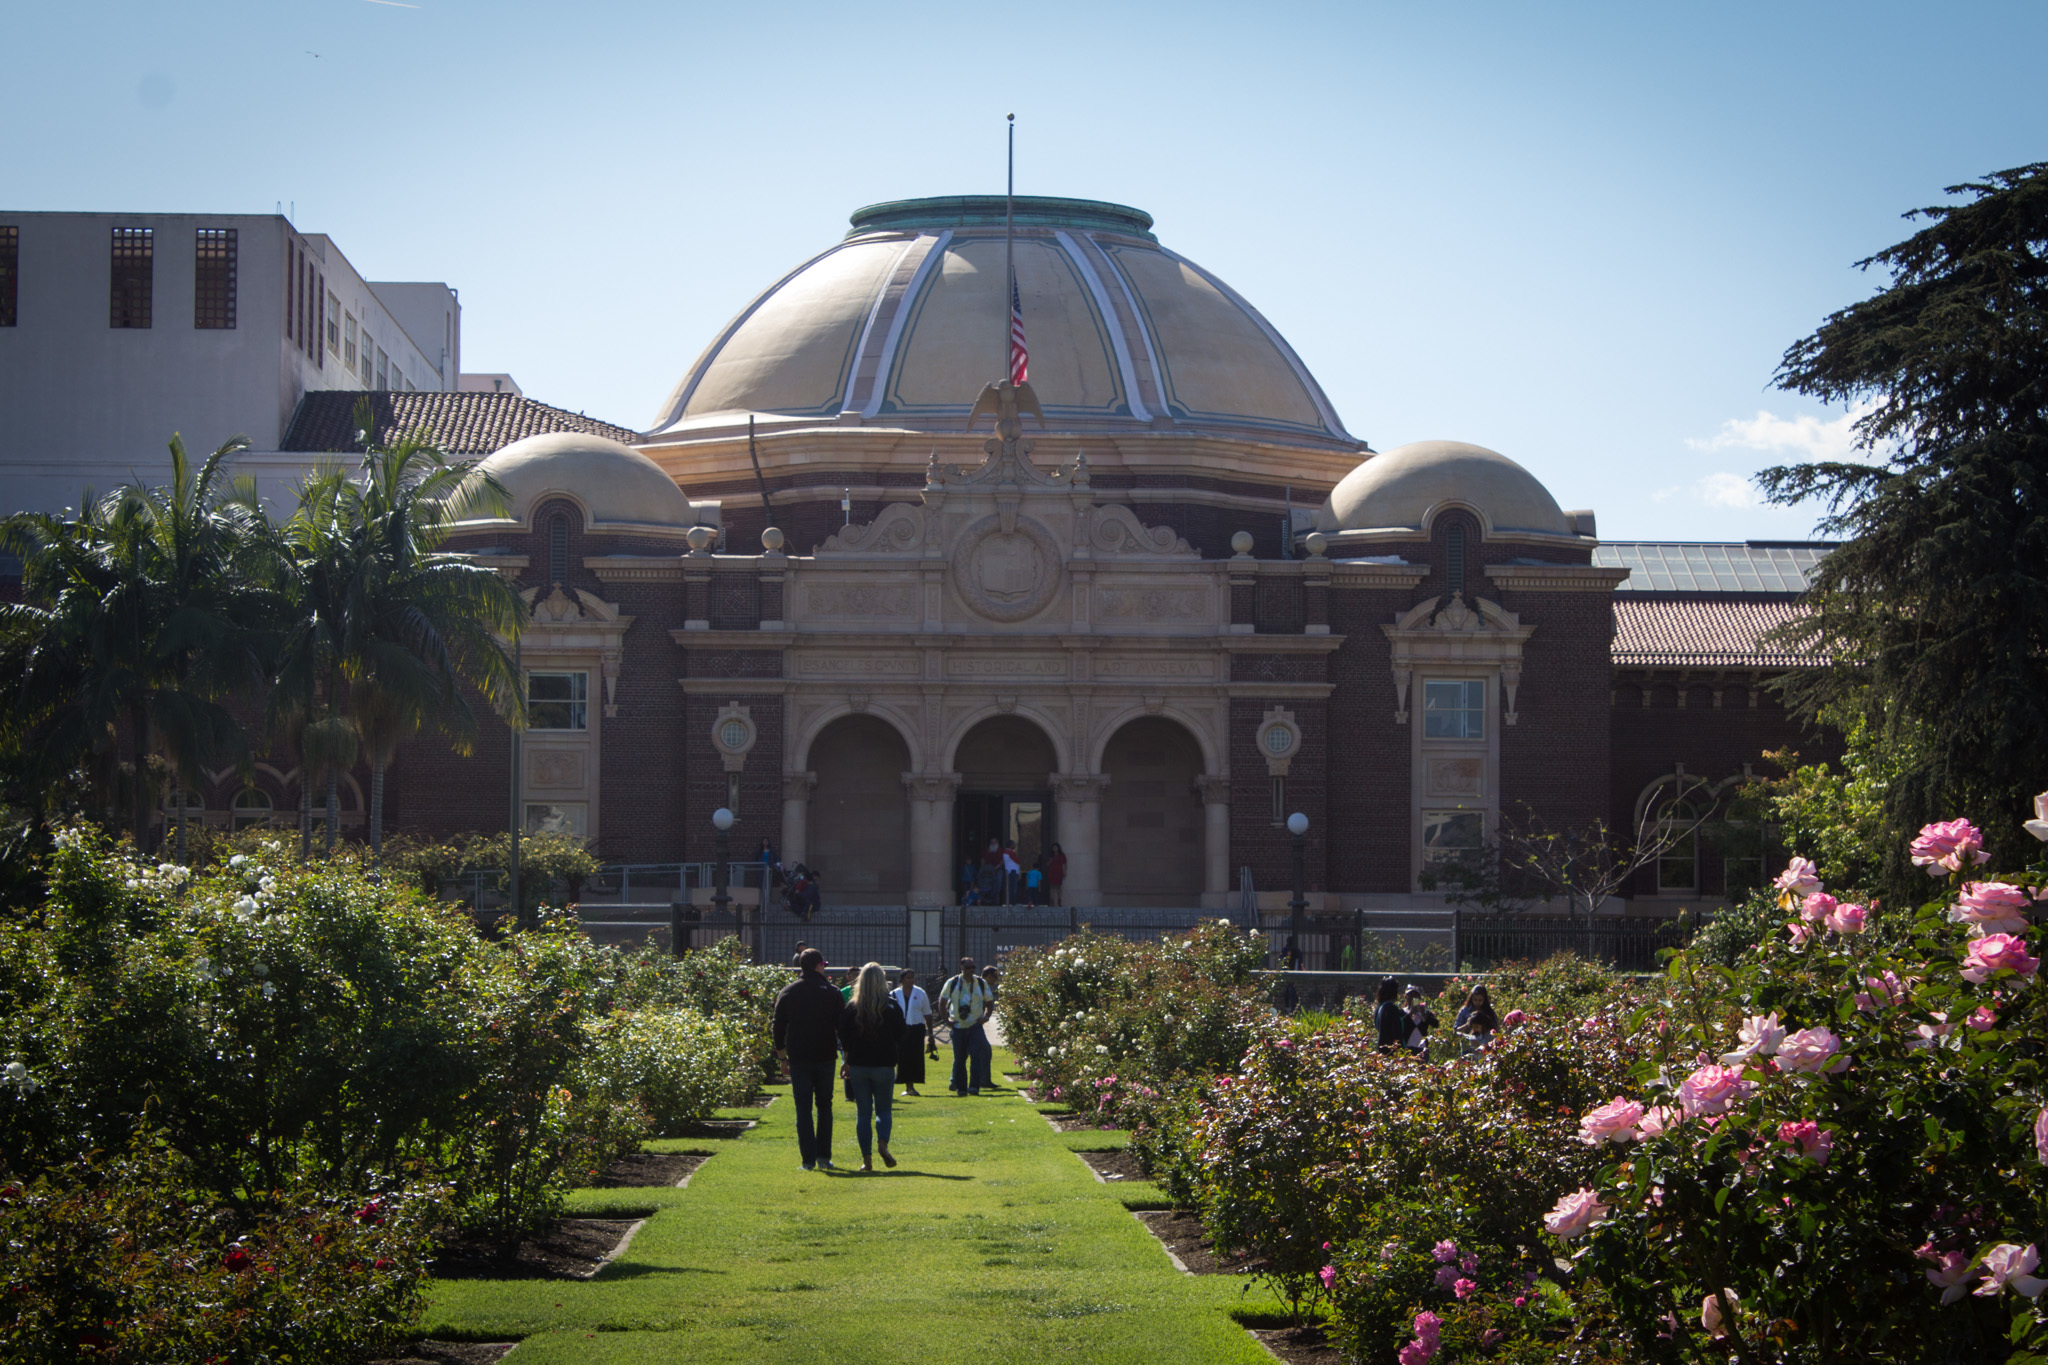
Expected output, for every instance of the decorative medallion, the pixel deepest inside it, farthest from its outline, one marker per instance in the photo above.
(1007, 574)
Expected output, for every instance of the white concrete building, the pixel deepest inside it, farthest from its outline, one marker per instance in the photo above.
(118, 329)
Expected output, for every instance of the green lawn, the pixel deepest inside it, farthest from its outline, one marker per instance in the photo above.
(989, 1243)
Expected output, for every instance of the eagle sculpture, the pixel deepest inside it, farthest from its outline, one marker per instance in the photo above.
(1008, 402)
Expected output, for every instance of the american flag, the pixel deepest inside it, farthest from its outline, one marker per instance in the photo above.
(1020, 356)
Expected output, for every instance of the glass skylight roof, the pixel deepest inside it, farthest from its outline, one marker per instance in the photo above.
(1752, 566)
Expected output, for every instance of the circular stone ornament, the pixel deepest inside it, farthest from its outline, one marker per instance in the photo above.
(1007, 575)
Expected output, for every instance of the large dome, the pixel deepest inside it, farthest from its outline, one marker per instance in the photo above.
(1404, 488)
(904, 321)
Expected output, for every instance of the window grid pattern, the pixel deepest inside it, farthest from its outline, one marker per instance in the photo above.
(1454, 559)
(1747, 567)
(558, 551)
(133, 284)
(10, 274)
(557, 701)
(1454, 708)
(214, 253)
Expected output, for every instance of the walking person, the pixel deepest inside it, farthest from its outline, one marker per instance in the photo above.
(918, 1034)
(1476, 1019)
(1388, 1017)
(1421, 1019)
(1056, 875)
(966, 999)
(807, 1034)
(871, 1033)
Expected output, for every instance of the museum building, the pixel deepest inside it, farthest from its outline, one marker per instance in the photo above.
(1147, 605)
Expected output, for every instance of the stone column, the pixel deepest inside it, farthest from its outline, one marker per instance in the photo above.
(1216, 840)
(931, 838)
(796, 813)
(1077, 806)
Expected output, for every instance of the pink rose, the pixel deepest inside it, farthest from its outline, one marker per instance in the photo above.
(1886, 990)
(1992, 908)
(1445, 1251)
(1658, 1120)
(2009, 1265)
(1428, 1338)
(1469, 1264)
(1759, 1036)
(1983, 1019)
(1463, 1289)
(1614, 1121)
(1710, 1312)
(1800, 934)
(1575, 1215)
(1813, 1051)
(1328, 1275)
(1944, 847)
(1998, 953)
(2041, 1136)
(1816, 908)
(1512, 1018)
(1713, 1089)
(1846, 919)
(1815, 1144)
(1446, 1276)
(1951, 1273)
(1799, 878)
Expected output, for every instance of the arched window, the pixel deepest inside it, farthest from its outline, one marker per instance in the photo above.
(252, 808)
(558, 550)
(193, 802)
(1454, 558)
(1678, 838)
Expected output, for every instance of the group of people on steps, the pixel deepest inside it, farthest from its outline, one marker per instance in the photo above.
(877, 1036)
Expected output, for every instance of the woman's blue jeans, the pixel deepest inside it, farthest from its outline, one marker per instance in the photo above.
(871, 1088)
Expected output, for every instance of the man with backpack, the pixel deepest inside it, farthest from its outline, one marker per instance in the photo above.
(966, 999)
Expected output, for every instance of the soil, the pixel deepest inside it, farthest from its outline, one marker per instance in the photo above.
(569, 1249)
(1299, 1345)
(450, 1353)
(643, 1169)
(713, 1128)
(1182, 1233)
(1074, 1123)
(1114, 1166)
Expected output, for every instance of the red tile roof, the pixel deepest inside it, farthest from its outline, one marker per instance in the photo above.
(1693, 630)
(466, 424)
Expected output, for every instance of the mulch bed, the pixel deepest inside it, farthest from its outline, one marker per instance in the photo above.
(1114, 1166)
(450, 1353)
(569, 1249)
(713, 1128)
(643, 1169)
(1182, 1233)
(1299, 1345)
(1074, 1123)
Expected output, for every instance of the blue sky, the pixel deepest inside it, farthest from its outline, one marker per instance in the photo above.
(1579, 234)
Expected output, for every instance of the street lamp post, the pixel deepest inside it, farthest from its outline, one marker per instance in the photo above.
(721, 821)
(1297, 924)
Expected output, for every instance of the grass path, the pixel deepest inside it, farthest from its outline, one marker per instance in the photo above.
(990, 1243)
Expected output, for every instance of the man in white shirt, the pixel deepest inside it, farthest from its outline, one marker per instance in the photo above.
(966, 999)
(1011, 870)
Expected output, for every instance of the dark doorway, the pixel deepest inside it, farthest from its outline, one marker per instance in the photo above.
(1005, 766)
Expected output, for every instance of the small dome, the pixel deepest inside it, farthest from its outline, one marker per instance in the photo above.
(619, 488)
(1405, 487)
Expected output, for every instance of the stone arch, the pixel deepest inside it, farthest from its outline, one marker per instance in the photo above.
(1212, 746)
(858, 828)
(804, 736)
(1055, 734)
(1152, 813)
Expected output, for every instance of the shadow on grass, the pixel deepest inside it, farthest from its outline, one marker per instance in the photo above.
(614, 1271)
(848, 1172)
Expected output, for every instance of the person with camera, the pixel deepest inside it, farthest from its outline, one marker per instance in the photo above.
(967, 999)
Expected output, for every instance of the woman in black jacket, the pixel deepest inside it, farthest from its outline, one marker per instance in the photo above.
(870, 1032)
(1388, 1016)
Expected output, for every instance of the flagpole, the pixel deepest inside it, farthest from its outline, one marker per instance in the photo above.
(1009, 246)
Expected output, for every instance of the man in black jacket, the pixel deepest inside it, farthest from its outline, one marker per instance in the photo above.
(806, 1023)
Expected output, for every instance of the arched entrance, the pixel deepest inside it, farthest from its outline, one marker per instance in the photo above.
(859, 824)
(1152, 816)
(1005, 766)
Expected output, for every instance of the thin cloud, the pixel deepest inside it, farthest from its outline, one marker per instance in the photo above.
(395, 4)
(1808, 437)
(1721, 490)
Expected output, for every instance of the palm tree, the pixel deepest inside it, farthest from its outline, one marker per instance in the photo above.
(385, 621)
(146, 608)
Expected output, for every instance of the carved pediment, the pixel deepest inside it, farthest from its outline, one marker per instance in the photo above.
(1448, 632)
(1116, 530)
(581, 609)
(899, 529)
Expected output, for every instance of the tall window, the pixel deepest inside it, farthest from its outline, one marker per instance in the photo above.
(558, 551)
(333, 320)
(1678, 863)
(383, 367)
(366, 355)
(213, 278)
(134, 277)
(348, 342)
(1452, 835)
(10, 273)
(252, 808)
(557, 701)
(1454, 708)
(1454, 557)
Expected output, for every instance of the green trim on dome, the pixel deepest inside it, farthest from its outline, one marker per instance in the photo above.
(970, 212)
